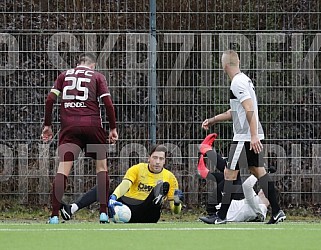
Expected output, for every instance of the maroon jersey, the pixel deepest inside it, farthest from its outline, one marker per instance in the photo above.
(80, 90)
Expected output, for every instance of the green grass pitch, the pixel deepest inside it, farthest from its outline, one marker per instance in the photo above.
(168, 235)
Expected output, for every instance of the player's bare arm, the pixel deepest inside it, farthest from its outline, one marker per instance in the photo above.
(256, 144)
(226, 116)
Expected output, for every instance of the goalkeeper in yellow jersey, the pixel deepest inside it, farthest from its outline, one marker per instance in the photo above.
(143, 189)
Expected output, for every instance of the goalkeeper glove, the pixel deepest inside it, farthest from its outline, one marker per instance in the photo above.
(178, 197)
(112, 203)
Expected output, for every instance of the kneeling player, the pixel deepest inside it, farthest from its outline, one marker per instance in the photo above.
(143, 189)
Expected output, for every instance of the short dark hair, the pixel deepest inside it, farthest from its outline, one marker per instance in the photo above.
(158, 148)
(87, 58)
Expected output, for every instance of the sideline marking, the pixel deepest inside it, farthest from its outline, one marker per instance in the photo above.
(133, 229)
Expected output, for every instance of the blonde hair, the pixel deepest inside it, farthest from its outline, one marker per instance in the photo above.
(231, 58)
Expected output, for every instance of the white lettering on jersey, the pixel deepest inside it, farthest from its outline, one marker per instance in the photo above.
(75, 105)
(70, 71)
(80, 71)
(89, 73)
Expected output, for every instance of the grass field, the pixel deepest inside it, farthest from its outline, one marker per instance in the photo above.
(164, 235)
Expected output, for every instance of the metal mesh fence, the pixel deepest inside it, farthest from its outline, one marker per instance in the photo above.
(279, 47)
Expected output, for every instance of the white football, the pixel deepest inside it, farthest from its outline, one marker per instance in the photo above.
(122, 214)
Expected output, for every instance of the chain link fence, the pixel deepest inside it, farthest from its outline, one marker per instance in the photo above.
(279, 46)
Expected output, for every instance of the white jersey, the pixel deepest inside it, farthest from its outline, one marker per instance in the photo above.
(247, 208)
(242, 89)
(241, 211)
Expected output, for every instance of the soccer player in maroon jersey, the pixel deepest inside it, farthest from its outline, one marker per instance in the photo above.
(81, 127)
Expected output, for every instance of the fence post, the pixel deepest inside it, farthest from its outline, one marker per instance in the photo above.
(152, 72)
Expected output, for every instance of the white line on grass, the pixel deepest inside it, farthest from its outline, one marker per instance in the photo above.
(134, 229)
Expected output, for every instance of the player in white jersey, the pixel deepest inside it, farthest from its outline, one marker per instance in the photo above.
(246, 149)
(246, 205)
(242, 89)
(252, 208)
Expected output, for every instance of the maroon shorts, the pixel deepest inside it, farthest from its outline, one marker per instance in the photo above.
(72, 140)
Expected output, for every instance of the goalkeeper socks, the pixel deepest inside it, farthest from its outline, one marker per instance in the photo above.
(268, 187)
(88, 198)
(102, 188)
(58, 189)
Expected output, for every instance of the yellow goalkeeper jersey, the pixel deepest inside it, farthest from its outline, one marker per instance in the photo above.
(143, 181)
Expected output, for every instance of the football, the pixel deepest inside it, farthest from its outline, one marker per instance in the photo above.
(122, 214)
